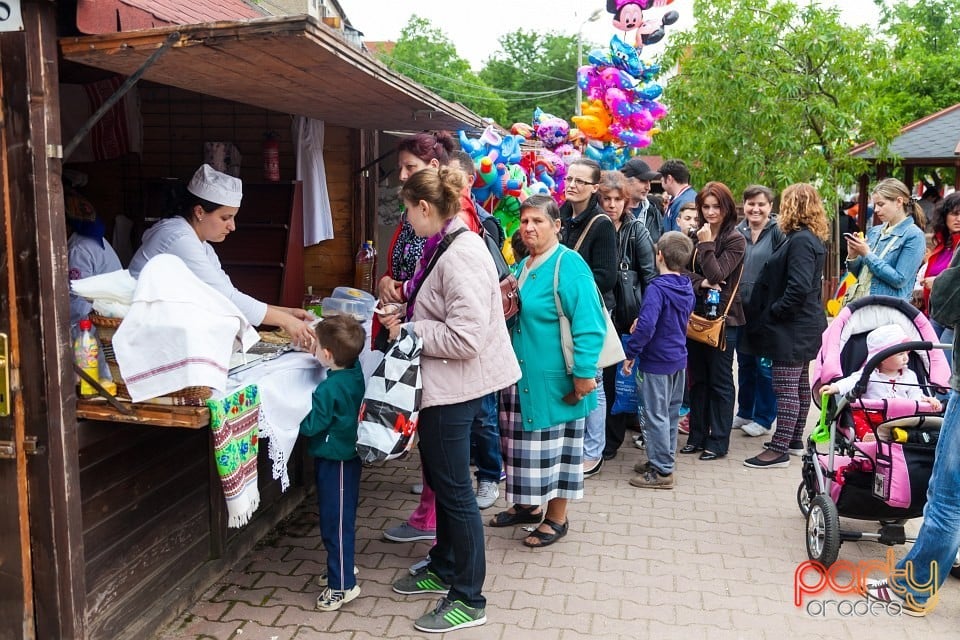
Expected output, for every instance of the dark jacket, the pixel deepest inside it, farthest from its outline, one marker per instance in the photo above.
(652, 218)
(599, 247)
(659, 342)
(757, 253)
(786, 308)
(635, 252)
(720, 261)
(331, 425)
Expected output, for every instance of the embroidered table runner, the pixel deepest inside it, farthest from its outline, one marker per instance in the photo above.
(234, 422)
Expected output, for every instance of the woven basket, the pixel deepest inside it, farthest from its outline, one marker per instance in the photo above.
(106, 327)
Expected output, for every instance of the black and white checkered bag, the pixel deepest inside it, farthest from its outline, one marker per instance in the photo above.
(391, 402)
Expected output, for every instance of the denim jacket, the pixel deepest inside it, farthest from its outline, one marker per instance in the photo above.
(895, 274)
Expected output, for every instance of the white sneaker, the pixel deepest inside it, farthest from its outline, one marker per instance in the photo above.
(487, 493)
(331, 599)
(754, 430)
(738, 422)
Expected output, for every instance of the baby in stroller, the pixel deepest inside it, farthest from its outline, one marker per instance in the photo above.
(892, 378)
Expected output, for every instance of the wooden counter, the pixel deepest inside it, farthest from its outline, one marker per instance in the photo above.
(156, 415)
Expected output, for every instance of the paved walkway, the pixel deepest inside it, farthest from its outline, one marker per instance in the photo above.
(714, 558)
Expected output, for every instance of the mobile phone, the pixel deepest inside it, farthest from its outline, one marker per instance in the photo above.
(849, 236)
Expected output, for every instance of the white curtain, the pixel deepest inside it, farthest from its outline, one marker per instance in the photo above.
(317, 215)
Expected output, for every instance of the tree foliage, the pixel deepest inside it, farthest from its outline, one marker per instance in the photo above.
(539, 63)
(425, 54)
(773, 93)
(924, 76)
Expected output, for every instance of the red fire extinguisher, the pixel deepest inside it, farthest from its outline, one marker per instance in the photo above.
(271, 157)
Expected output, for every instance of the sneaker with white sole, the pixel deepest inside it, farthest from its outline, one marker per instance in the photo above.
(333, 599)
(423, 581)
(416, 489)
(754, 429)
(487, 493)
(322, 578)
(408, 533)
(639, 442)
(450, 615)
(738, 422)
(881, 591)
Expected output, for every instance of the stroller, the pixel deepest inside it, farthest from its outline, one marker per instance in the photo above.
(878, 454)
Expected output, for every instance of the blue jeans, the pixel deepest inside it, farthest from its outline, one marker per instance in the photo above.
(663, 394)
(939, 538)
(755, 399)
(485, 440)
(338, 491)
(595, 430)
(458, 556)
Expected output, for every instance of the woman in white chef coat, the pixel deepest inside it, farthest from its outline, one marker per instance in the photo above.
(208, 214)
(88, 254)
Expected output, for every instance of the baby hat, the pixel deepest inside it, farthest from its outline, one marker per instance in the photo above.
(216, 187)
(882, 337)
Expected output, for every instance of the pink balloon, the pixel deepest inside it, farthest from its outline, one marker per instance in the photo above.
(618, 103)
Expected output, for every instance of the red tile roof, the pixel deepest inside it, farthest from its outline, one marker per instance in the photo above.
(111, 16)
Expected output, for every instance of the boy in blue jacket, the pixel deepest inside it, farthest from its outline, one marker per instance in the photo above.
(331, 431)
(658, 343)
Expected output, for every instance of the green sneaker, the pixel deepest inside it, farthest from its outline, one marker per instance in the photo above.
(450, 616)
(423, 581)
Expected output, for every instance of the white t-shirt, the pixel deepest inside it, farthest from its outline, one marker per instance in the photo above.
(177, 237)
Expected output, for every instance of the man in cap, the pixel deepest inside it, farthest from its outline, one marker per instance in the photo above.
(639, 176)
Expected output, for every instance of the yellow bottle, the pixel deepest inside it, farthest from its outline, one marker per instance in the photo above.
(86, 351)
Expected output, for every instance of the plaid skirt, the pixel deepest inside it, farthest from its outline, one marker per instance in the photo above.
(541, 465)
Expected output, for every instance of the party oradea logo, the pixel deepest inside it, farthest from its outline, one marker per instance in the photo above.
(841, 589)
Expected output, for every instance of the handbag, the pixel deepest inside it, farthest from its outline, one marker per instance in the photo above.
(626, 290)
(391, 402)
(509, 287)
(612, 351)
(712, 331)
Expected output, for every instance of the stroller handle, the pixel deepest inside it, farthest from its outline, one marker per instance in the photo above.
(872, 363)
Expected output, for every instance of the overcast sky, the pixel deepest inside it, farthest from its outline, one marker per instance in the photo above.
(475, 25)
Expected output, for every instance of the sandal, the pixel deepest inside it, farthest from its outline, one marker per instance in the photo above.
(521, 515)
(547, 539)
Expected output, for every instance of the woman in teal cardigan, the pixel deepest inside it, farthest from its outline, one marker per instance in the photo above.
(542, 417)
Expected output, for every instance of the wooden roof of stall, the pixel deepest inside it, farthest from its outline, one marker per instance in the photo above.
(291, 64)
(933, 140)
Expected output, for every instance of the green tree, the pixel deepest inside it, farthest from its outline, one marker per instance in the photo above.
(425, 54)
(923, 77)
(774, 93)
(543, 65)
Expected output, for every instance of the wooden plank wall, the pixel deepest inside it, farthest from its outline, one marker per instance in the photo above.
(176, 123)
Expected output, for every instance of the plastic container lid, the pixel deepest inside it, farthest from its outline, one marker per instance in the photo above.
(85, 324)
(354, 295)
(341, 306)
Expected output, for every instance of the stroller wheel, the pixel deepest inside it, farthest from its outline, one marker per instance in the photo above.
(803, 499)
(823, 531)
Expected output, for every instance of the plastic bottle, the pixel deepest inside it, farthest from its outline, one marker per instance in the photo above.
(86, 350)
(366, 259)
(713, 303)
(313, 303)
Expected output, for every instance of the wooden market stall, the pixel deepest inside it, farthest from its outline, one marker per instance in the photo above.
(120, 524)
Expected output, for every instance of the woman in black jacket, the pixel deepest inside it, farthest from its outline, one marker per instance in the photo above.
(787, 317)
(717, 263)
(636, 266)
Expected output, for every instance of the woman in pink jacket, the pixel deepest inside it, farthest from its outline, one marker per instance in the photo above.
(455, 308)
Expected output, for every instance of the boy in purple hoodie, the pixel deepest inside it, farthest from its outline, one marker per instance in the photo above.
(658, 343)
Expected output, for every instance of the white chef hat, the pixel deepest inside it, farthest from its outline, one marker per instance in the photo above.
(216, 187)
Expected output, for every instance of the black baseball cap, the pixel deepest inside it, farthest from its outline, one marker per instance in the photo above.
(637, 168)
